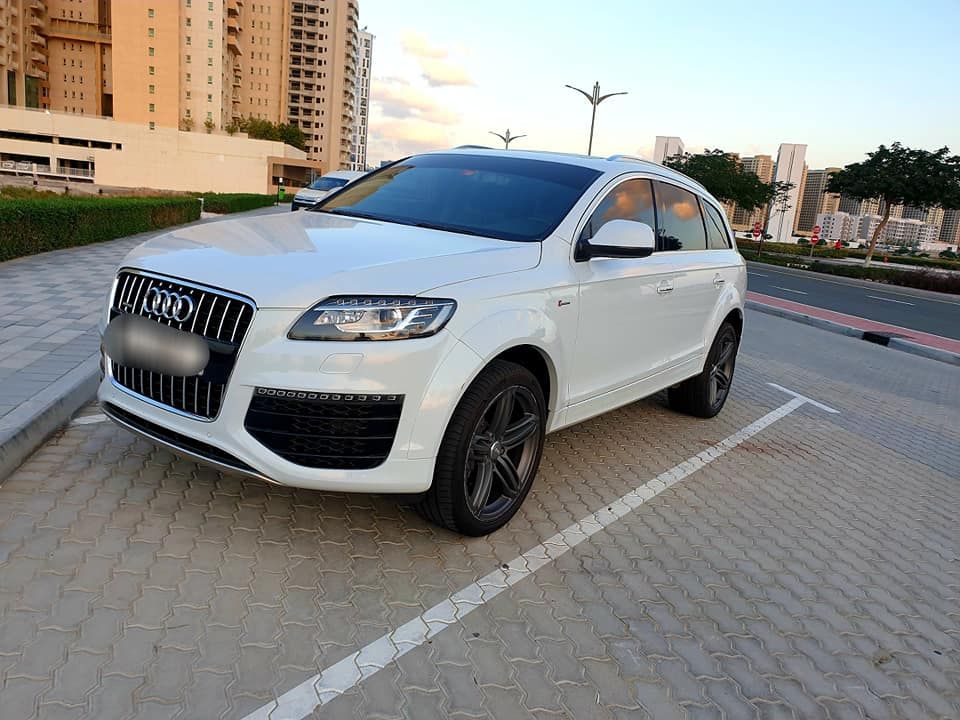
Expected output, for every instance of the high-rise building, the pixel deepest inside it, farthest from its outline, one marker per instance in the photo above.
(929, 215)
(869, 206)
(762, 167)
(24, 63)
(950, 229)
(667, 146)
(790, 168)
(200, 65)
(361, 108)
(815, 199)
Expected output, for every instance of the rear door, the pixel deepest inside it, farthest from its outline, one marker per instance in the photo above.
(682, 240)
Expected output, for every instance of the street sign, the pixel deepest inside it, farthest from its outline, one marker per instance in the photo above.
(756, 230)
(816, 229)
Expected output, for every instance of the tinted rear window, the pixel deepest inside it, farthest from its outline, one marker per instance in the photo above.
(494, 196)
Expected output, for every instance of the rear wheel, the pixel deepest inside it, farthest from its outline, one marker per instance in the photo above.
(705, 394)
(490, 452)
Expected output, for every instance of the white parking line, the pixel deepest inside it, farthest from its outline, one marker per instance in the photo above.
(798, 292)
(755, 274)
(340, 677)
(899, 302)
(89, 419)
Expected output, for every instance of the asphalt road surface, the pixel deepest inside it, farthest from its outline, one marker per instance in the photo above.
(914, 309)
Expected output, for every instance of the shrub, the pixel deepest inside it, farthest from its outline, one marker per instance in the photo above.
(29, 226)
(235, 202)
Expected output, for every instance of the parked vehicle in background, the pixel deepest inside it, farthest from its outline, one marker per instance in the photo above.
(323, 186)
(421, 330)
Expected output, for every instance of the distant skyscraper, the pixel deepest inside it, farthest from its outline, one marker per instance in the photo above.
(361, 108)
(950, 229)
(666, 147)
(815, 199)
(789, 168)
(762, 167)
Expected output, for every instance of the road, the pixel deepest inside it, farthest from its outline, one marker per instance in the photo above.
(934, 313)
(779, 560)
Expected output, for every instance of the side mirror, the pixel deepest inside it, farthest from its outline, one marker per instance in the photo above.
(618, 239)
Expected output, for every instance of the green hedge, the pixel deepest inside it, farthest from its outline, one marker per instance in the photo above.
(29, 226)
(235, 202)
(828, 251)
(922, 279)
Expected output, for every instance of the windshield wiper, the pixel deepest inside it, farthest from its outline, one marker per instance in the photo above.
(350, 213)
(447, 228)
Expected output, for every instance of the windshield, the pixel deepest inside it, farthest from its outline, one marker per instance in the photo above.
(327, 183)
(494, 196)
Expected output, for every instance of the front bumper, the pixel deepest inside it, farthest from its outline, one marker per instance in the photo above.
(429, 372)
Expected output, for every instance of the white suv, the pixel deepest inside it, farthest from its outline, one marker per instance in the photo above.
(421, 330)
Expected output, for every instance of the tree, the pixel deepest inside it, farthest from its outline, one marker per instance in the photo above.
(260, 129)
(779, 203)
(186, 124)
(724, 176)
(900, 175)
(208, 124)
(232, 127)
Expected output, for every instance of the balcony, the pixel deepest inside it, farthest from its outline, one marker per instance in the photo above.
(233, 42)
(35, 39)
(233, 8)
(38, 5)
(38, 58)
(37, 21)
(236, 81)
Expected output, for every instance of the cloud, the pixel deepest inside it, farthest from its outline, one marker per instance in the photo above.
(394, 137)
(398, 99)
(440, 73)
(417, 44)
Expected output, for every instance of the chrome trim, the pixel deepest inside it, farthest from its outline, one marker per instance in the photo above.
(188, 453)
(249, 302)
(196, 286)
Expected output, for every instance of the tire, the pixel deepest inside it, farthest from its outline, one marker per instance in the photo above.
(498, 424)
(704, 395)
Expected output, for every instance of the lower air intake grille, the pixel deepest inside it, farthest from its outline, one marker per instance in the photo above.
(325, 430)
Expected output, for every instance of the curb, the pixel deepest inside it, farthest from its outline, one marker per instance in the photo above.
(26, 428)
(896, 343)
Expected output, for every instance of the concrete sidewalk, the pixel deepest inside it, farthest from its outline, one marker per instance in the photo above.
(50, 305)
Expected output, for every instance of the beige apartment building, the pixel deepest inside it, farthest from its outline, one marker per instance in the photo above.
(816, 200)
(193, 65)
(762, 167)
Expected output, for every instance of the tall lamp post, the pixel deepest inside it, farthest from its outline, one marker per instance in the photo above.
(595, 99)
(507, 138)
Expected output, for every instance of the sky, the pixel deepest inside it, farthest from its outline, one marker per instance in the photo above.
(841, 76)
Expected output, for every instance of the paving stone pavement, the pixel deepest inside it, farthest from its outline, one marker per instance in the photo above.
(50, 305)
(811, 572)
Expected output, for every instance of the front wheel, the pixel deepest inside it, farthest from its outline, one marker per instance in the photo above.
(703, 395)
(490, 452)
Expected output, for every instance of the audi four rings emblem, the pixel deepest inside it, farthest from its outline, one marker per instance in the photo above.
(169, 305)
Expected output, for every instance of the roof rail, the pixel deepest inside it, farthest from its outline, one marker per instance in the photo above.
(627, 158)
(473, 147)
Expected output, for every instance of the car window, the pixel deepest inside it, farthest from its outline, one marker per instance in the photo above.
(489, 195)
(717, 238)
(680, 225)
(630, 200)
(327, 183)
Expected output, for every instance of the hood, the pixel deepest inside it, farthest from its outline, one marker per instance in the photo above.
(292, 260)
(309, 194)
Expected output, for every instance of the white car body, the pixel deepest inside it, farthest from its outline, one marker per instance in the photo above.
(606, 330)
(307, 197)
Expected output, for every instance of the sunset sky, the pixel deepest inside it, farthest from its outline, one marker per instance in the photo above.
(840, 76)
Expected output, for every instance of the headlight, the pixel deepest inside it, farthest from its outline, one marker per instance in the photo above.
(372, 318)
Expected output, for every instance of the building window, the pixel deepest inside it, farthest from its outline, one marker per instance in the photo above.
(209, 24)
(188, 109)
(188, 58)
(189, 77)
(153, 107)
(153, 89)
(210, 6)
(189, 3)
(150, 51)
(189, 40)
(151, 32)
(209, 79)
(153, 70)
(210, 42)
(150, 12)
(209, 62)
(189, 22)
(209, 115)
(153, 125)
(189, 95)
(209, 97)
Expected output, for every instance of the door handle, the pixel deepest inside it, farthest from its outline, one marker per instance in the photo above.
(664, 287)
(718, 282)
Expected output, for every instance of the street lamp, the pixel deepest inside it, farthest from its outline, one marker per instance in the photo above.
(595, 99)
(507, 138)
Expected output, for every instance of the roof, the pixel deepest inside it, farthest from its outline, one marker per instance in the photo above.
(615, 164)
